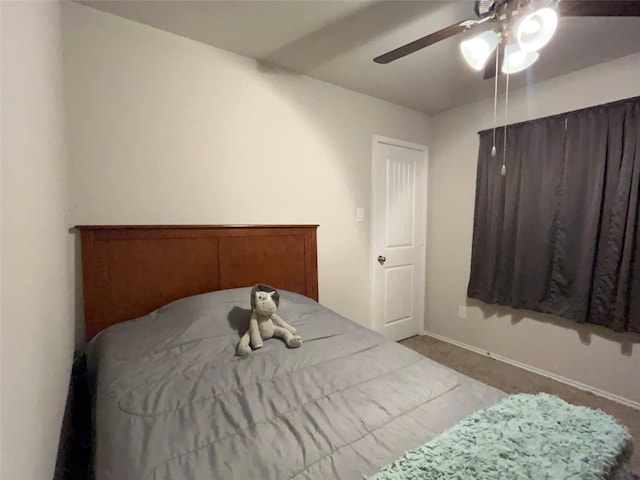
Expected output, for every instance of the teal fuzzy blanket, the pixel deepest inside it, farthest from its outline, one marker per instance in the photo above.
(532, 437)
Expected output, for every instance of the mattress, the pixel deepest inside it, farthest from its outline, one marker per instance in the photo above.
(172, 401)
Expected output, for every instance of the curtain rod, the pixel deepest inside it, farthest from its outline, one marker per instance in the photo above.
(610, 104)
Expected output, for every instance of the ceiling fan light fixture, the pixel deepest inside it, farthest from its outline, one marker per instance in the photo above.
(477, 50)
(536, 29)
(516, 59)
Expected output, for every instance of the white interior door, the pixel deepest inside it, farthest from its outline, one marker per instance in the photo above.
(398, 237)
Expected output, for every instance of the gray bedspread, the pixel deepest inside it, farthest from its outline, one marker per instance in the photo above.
(172, 401)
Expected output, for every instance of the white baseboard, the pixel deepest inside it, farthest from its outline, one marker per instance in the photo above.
(596, 391)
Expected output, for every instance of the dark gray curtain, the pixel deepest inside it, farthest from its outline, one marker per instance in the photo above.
(559, 232)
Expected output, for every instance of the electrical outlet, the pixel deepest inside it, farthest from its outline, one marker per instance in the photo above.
(462, 312)
(360, 215)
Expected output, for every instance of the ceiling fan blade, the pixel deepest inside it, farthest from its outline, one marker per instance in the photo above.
(423, 42)
(490, 67)
(599, 8)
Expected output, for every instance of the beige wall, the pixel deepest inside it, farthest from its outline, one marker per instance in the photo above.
(593, 357)
(37, 325)
(167, 130)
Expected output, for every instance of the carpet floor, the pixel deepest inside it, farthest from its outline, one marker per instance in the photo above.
(512, 379)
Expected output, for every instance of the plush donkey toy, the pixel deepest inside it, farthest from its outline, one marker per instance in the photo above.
(264, 322)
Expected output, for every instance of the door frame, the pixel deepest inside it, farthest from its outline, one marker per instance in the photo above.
(376, 140)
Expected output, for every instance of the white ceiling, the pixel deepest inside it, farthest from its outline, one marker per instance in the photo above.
(336, 40)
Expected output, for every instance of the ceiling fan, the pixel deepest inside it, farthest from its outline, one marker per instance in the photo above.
(511, 32)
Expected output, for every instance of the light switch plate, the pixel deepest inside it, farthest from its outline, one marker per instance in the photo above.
(360, 215)
(462, 312)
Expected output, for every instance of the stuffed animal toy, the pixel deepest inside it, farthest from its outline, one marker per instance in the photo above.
(264, 322)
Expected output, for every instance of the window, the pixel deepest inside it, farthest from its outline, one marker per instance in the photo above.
(558, 233)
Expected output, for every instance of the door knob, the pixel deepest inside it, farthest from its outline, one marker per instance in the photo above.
(381, 259)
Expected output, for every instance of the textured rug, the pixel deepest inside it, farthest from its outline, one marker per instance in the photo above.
(533, 437)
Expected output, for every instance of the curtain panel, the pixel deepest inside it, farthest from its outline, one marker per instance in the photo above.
(559, 232)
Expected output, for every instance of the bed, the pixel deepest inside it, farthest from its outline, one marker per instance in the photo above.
(164, 306)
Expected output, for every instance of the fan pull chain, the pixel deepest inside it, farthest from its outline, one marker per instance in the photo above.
(495, 102)
(503, 171)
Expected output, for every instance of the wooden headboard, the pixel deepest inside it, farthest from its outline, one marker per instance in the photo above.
(130, 270)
